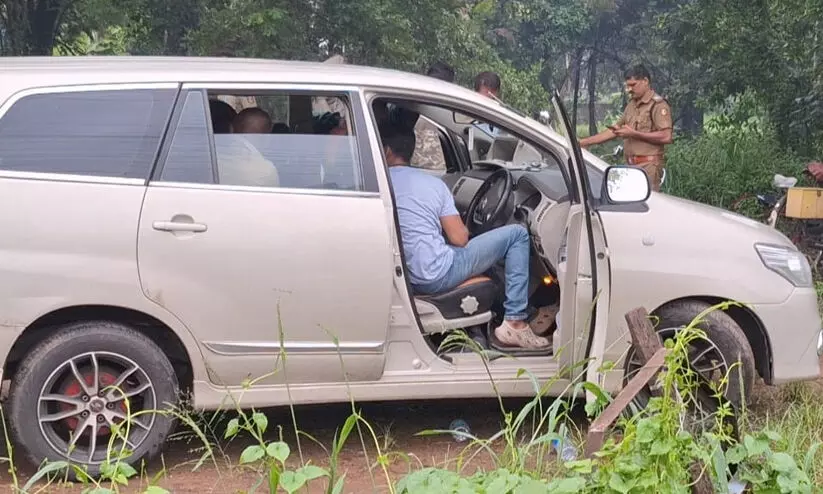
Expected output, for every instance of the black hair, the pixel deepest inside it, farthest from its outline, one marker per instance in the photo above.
(488, 79)
(441, 70)
(323, 124)
(280, 128)
(222, 115)
(638, 72)
(400, 139)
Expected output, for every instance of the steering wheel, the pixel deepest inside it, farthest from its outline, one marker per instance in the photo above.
(482, 212)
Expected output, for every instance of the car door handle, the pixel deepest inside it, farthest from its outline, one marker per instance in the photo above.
(178, 226)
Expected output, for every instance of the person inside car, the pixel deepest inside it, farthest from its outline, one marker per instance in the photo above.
(437, 263)
(239, 161)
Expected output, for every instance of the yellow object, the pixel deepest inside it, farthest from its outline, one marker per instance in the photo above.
(804, 202)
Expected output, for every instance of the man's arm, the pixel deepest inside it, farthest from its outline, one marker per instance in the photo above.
(599, 138)
(456, 232)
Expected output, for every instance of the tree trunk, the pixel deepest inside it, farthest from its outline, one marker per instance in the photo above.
(691, 117)
(578, 61)
(32, 26)
(592, 82)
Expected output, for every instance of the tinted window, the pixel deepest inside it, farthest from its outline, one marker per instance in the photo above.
(189, 158)
(100, 133)
(274, 139)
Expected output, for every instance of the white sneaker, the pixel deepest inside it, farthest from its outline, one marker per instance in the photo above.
(523, 338)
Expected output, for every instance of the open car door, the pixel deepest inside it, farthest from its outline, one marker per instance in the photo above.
(583, 262)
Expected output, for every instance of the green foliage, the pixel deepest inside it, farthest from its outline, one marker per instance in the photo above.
(719, 167)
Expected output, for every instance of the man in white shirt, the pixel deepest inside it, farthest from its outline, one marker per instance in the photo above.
(239, 162)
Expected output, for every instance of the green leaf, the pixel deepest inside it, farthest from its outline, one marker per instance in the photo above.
(580, 466)
(617, 483)
(251, 454)
(153, 489)
(755, 447)
(46, 470)
(279, 451)
(736, 454)
(292, 481)
(661, 447)
(126, 470)
(647, 431)
(782, 462)
(571, 485)
(274, 478)
(260, 421)
(348, 426)
(232, 428)
(313, 472)
(338, 486)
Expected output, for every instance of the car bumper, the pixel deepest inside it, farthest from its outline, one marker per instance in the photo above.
(795, 335)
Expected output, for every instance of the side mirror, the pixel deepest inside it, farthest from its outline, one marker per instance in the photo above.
(625, 185)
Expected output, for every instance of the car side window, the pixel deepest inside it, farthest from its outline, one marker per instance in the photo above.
(266, 139)
(106, 133)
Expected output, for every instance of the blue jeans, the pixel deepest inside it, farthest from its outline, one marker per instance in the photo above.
(480, 254)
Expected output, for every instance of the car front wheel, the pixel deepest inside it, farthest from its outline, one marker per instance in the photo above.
(714, 356)
(84, 384)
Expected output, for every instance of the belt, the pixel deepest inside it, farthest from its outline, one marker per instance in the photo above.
(644, 159)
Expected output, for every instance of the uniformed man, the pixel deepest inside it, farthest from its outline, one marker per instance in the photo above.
(428, 152)
(645, 127)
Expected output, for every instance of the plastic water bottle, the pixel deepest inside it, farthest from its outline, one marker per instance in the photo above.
(565, 450)
(459, 427)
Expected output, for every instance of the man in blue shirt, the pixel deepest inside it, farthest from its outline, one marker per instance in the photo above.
(437, 263)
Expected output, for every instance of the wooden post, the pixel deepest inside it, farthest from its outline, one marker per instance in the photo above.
(651, 352)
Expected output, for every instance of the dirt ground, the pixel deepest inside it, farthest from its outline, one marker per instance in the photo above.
(396, 426)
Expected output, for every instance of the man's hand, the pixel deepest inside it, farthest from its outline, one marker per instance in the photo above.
(624, 132)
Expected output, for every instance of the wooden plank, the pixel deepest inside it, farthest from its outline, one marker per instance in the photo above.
(644, 337)
(598, 428)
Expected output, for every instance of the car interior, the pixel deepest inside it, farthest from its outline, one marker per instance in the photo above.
(496, 179)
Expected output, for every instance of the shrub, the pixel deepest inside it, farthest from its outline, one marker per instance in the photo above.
(719, 167)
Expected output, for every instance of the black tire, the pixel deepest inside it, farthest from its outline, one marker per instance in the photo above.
(723, 332)
(83, 346)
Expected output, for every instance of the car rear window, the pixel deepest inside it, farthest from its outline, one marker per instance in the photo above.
(107, 133)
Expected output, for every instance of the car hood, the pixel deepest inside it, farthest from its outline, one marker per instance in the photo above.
(701, 220)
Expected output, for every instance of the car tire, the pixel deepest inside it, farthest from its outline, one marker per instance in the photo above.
(723, 333)
(48, 401)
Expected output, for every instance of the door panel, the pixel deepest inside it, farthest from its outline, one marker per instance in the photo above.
(272, 267)
(257, 272)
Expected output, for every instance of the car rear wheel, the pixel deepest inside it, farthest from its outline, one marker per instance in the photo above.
(87, 381)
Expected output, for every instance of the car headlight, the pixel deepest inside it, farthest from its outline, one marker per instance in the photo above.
(787, 262)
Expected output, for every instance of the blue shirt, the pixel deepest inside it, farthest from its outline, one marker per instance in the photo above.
(421, 200)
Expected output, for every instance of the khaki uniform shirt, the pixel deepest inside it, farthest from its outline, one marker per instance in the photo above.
(649, 114)
(428, 153)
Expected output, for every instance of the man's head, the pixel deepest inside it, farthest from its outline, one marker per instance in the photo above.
(638, 81)
(252, 121)
(398, 144)
(222, 115)
(487, 83)
(442, 71)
